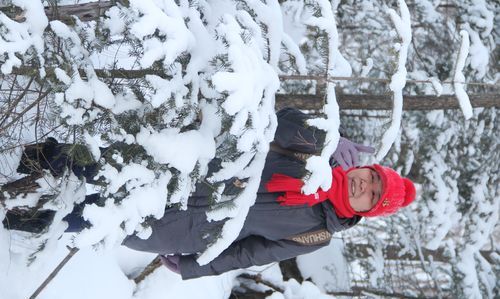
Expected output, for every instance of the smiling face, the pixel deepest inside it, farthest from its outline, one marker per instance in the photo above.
(364, 188)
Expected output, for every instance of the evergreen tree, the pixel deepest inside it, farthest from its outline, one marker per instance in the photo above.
(162, 95)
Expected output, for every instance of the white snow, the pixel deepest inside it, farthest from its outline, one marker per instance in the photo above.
(294, 50)
(242, 90)
(332, 274)
(180, 150)
(251, 87)
(233, 226)
(479, 23)
(125, 102)
(250, 77)
(398, 80)
(459, 78)
(103, 274)
(164, 89)
(269, 14)
(146, 198)
(306, 290)
(367, 67)
(321, 175)
(21, 37)
(436, 84)
(167, 18)
(114, 22)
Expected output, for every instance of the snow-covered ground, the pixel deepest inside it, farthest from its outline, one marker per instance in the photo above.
(100, 274)
(108, 274)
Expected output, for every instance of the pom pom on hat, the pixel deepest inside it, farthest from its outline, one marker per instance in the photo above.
(397, 192)
(410, 192)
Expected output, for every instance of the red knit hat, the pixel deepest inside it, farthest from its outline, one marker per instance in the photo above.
(398, 192)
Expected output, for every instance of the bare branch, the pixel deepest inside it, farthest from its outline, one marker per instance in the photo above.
(35, 102)
(53, 274)
(150, 268)
(16, 101)
(258, 279)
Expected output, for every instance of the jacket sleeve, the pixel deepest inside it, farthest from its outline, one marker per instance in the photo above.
(293, 132)
(250, 251)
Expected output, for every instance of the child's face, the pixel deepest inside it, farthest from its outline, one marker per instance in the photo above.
(364, 188)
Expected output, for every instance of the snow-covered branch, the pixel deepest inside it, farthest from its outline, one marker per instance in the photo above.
(459, 78)
(398, 80)
(337, 66)
(251, 86)
(18, 38)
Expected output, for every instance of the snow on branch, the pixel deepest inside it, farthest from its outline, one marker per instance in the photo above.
(294, 51)
(398, 80)
(269, 14)
(251, 86)
(166, 19)
(337, 66)
(477, 228)
(18, 38)
(459, 78)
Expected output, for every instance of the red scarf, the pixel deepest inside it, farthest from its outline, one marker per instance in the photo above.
(337, 194)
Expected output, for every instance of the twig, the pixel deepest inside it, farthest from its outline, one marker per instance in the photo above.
(150, 268)
(53, 274)
(41, 97)
(258, 279)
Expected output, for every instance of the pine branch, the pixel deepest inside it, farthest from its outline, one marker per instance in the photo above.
(28, 108)
(16, 101)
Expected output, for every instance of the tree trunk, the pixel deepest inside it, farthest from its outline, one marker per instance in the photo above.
(384, 102)
(258, 279)
(101, 73)
(392, 252)
(249, 294)
(365, 292)
(85, 12)
(290, 270)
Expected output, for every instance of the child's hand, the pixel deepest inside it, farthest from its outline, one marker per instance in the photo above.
(172, 262)
(347, 153)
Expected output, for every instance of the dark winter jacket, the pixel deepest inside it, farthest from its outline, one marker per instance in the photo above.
(267, 230)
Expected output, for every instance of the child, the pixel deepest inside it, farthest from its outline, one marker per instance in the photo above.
(283, 223)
